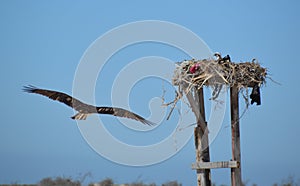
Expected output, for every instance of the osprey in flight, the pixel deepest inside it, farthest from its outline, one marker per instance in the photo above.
(84, 109)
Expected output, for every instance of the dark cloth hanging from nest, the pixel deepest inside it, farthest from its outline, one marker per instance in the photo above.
(255, 95)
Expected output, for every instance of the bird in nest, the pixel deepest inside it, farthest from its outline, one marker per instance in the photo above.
(221, 59)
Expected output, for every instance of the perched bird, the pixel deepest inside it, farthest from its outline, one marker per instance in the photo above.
(221, 59)
(255, 95)
(226, 58)
(218, 56)
(84, 109)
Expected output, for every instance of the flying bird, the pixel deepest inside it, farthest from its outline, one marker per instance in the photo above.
(84, 109)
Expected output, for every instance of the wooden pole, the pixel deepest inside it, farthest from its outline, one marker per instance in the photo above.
(236, 176)
(201, 141)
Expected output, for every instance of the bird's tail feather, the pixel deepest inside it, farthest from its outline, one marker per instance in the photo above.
(80, 116)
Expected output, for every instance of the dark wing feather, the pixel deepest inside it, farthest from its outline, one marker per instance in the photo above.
(58, 96)
(119, 112)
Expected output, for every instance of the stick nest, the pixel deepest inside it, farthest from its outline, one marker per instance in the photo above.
(210, 72)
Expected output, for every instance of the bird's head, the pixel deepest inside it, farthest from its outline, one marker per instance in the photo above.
(218, 56)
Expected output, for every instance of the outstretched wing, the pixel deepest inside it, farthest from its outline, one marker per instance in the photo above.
(119, 112)
(59, 96)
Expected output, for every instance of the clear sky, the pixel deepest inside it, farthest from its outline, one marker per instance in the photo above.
(42, 43)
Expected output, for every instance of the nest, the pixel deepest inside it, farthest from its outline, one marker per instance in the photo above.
(218, 72)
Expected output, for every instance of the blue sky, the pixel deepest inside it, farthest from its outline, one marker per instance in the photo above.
(42, 43)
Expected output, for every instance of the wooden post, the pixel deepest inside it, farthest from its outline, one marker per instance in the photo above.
(236, 176)
(201, 141)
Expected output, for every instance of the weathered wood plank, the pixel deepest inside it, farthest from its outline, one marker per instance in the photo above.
(194, 105)
(201, 140)
(236, 175)
(215, 165)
